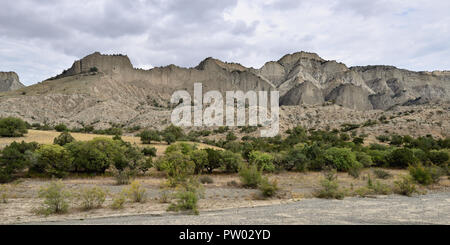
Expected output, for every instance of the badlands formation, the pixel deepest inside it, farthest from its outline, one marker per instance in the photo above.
(104, 90)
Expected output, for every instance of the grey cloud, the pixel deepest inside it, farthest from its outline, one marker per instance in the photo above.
(40, 38)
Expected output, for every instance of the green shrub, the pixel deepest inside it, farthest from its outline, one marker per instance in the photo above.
(405, 186)
(267, 188)
(147, 136)
(200, 159)
(215, 159)
(124, 177)
(377, 187)
(15, 158)
(63, 139)
(250, 176)
(438, 158)
(231, 136)
(342, 159)
(264, 161)
(229, 161)
(381, 174)
(206, 180)
(4, 193)
(95, 156)
(330, 187)
(177, 166)
(61, 127)
(364, 158)
(169, 138)
(296, 159)
(186, 199)
(401, 158)
(165, 196)
(175, 131)
(12, 127)
(56, 198)
(90, 198)
(425, 175)
(136, 193)
(379, 157)
(149, 151)
(118, 201)
(52, 160)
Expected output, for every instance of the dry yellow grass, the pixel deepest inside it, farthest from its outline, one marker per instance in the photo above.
(47, 137)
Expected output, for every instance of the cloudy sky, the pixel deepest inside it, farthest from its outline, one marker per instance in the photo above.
(38, 39)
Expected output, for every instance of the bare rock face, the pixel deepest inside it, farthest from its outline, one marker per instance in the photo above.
(9, 81)
(100, 89)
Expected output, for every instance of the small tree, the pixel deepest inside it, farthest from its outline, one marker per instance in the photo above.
(169, 138)
(61, 127)
(56, 198)
(63, 139)
(12, 127)
(264, 161)
(53, 160)
(147, 136)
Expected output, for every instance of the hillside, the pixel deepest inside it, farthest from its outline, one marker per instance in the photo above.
(102, 90)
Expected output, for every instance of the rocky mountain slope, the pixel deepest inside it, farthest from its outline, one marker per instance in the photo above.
(9, 81)
(101, 90)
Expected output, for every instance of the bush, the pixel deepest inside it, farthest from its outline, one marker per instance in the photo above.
(123, 177)
(401, 158)
(296, 159)
(377, 187)
(56, 198)
(206, 180)
(4, 193)
(147, 136)
(425, 175)
(215, 159)
(200, 159)
(267, 188)
(61, 128)
(175, 131)
(229, 161)
(52, 160)
(136, 193)
(15, 158)
(169, 138)
(264, 161)
(342, 159)
(364, 158)
(95, 156)
(231, 136)
(63, 139)
(186, 201)
(149, 151)
(118, 201)
(405, 186)
(330, 187)
(177, 166)
(90, 198)
(187, 197)
(438, 157)
(250, 176)
(12, 127)
(382, 174)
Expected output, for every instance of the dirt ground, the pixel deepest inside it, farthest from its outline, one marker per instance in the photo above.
(219, 195)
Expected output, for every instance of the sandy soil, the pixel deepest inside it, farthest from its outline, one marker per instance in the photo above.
(220, 195)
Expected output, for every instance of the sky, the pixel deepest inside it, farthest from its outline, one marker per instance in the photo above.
(39, 39)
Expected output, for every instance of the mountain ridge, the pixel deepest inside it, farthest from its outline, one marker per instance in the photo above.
(106, 89)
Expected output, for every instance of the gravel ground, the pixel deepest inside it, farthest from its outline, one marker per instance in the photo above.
(432, 208)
